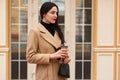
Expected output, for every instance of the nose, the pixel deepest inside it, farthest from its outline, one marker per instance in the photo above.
(55, 15)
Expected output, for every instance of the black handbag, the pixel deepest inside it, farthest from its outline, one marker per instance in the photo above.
(64, 70)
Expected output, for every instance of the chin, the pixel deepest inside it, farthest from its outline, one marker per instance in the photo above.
(53, 22)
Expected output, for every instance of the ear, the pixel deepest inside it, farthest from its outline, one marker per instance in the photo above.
(44, 15)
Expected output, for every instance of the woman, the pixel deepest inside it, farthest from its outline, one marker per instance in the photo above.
(43, 41)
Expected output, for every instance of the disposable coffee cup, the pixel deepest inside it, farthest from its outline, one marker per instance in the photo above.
(64, 46)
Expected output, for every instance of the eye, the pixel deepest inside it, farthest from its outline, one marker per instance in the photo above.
(53, 12)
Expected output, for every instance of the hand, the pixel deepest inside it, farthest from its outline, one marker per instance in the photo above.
(62, 53)
(67, 60)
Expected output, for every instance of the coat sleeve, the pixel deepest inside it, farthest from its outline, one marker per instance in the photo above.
(32, 54)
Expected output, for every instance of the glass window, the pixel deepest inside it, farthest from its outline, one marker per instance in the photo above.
(79, 16)
(15, 70)
(88, 3)
(79, 3)
(87, 16)
(19, 26)
(83, 39)
(23, 33)
(14, 3)
(87, 70)
(78, 70)
(23, 51)
(87, 33)
(14, 15)
(14, 54)
(23, 3)
(23, 70)
(14, 33)
(79, 33)
(23, 16)
(87, 51)
(78, 52)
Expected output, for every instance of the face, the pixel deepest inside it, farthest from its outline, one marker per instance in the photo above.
(50, 16)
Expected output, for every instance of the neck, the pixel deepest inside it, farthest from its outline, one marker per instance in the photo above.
(45, 21)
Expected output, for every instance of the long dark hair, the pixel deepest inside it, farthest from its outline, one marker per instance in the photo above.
(44, 9)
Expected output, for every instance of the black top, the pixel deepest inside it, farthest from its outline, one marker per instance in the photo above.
(49, 27)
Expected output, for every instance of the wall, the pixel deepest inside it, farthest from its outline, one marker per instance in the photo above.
(4, 40)
(106, 40)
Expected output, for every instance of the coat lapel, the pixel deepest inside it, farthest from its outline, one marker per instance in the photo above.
(54, 40)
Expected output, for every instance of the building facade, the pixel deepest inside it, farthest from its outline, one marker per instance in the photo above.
(91, 29)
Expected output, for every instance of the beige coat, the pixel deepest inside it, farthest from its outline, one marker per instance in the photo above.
(39, 47)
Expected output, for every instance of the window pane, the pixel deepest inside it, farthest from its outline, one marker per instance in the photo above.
(23, 33)
(23, 51)
(23, 70)
(88, 3)
(87, 33)
(14, 69)
(87, 70)
(14, 33)
(14, 3)
(60, 5)
(79, 34)
(78, 52)
(79, 3)
(40, 2)
(87, 52)
(14, 15)
(87, 16)
(61, 19)
(14, 50)
(62, 28)
(79, 16)
(24, 3)
(24, 15)
(78, 70)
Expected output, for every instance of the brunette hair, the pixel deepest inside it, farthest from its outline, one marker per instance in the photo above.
(44, 9)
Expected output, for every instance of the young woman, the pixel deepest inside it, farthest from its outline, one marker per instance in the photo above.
(43, 41)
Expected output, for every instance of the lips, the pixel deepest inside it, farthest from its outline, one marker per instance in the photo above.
(54, 19)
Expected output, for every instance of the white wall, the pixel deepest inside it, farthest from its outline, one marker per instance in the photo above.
(2, 39)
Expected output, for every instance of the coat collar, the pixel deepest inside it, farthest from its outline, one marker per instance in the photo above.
(54, 40)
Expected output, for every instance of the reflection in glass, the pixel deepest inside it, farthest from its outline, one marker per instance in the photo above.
(87, 70)
(14, 33)
(23, 51)
(23, 33)
(78, 70)
(24, 15)
(88, 16)
(62, 28)
(60, 19)
(14, 15)
(14, 51)
(87, 52)
(40, 2)
(79, 34)
(23, 70)
(79, 52)
(23, 3)
(14, 3)
(60, 5)
(79, 16)
(88, 3)
(14, 70)
(87, 33)
(79, 3)
(83, 39)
